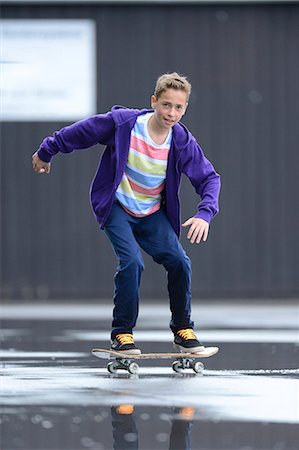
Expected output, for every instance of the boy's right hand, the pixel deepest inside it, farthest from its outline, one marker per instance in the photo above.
(40, 166)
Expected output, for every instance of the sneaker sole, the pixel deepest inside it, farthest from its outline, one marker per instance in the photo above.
(127, 352)
(181, 349)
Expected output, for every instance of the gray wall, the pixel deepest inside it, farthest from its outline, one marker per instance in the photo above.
(244, 66)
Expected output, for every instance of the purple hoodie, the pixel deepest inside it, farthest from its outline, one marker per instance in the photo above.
(113, 129)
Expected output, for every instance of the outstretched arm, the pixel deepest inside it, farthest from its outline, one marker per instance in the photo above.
(79, 135)
(98, 129)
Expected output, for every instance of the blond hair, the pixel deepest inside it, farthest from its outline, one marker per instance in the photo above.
(172, 81)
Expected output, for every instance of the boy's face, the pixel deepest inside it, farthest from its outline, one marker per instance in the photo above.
(169, 107)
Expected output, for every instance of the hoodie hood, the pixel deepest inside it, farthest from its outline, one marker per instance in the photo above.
(181, 135)
(122, 114)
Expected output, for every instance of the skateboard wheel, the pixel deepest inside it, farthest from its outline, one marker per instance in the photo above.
(133, 368)
(112, 367)
(177, 366)
(198, 367)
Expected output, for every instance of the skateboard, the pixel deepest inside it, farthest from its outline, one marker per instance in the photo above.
(125, 361)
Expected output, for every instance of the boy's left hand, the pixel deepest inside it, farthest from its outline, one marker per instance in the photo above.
(199, 229)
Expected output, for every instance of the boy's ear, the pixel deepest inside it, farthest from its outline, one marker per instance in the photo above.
(153, 101)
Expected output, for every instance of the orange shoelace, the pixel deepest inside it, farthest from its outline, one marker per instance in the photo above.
(187, 334)
(125, 338)
(125, 409)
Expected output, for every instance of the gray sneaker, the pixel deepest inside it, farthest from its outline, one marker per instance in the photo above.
(186, 341)
(124, 342)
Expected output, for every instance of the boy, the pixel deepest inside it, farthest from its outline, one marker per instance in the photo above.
(134, 196)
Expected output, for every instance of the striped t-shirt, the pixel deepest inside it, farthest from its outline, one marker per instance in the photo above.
(144, 178)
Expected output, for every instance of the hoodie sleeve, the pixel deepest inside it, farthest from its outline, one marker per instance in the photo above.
(204, 179)
(98, 129)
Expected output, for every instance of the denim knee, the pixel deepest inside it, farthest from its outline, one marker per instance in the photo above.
(184, 262)
(178, 261)
(132, 262)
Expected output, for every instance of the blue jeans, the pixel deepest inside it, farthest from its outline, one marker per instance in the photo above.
(155, 236)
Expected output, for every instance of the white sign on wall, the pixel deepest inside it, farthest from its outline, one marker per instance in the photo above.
(48, 70)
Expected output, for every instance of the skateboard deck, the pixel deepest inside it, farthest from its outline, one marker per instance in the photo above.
(125, 361)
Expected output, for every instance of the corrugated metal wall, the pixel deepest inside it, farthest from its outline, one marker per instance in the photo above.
(244, 66)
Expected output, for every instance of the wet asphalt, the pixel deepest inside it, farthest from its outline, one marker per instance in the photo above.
(56, 395)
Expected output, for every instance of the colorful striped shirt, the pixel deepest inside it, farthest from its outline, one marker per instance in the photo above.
(144, 178)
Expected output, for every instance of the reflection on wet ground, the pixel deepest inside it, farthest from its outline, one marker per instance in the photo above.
(55, 395)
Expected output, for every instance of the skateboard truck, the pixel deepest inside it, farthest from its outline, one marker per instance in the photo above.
(187, 363)
(125, 364)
